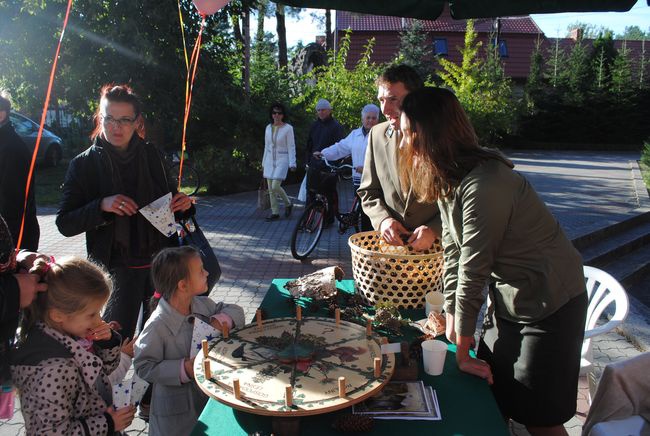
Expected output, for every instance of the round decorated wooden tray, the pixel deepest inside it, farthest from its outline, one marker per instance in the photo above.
(285, 367)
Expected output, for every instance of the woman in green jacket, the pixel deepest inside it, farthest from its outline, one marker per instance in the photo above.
(497, 232)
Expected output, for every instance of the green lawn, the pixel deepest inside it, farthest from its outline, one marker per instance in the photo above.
(48, 184)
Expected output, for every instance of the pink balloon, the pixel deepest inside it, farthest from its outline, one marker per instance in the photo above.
(209, 7)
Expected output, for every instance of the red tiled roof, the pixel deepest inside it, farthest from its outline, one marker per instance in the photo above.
(444, 23)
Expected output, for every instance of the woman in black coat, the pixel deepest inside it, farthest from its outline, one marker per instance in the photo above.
(103, 190)
(15, 159)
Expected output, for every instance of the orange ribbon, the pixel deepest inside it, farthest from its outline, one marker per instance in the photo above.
(40, 128)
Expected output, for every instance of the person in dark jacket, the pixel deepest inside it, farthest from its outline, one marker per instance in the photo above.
(103, 190)
(17, 291)
(15, 159)
(324, 132)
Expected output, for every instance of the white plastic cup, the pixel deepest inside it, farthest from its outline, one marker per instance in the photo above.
(433, 302)
(433, 356)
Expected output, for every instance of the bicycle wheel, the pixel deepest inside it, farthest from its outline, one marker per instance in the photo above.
(190, 183)
(350, 219)
(356, 215)
(307, 232)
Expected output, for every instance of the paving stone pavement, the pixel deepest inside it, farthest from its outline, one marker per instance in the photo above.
(585, 191)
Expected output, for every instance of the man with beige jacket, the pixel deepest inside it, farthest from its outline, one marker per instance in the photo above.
(398, 216)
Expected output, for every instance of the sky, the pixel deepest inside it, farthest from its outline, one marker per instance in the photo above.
(553, 25)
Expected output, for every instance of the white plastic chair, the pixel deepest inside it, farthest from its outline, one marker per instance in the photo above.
(603, 290)
(621, 406)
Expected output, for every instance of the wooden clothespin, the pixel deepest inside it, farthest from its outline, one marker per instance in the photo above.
(204, 347)
(288, 396)
(235, 388)
(258, 317)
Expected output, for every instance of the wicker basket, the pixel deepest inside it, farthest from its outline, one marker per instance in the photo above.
(395, 274)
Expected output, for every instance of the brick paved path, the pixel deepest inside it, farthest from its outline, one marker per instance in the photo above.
(585, 190)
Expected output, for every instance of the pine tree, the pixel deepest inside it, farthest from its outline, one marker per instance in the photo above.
(535, 84)
(555, 73)
(643, 64)
(622, 83)
(414, 50)
(578, 73)
(601, 59)
(481, 87)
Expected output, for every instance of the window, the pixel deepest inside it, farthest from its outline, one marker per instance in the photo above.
(440, 46)
(503, 48)
(21, 125)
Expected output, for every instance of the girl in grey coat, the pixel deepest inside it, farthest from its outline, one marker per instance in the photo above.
(162, 351)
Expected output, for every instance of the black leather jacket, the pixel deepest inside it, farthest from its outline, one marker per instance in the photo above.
(15, 159)
(89, 180)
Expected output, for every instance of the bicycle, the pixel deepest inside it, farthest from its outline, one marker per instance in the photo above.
(190, 182)
(308, 230)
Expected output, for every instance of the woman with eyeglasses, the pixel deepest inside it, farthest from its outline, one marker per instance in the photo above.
(279, 157)
(496, 231)
(103, 190)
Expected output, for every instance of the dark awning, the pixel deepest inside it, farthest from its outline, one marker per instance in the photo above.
(461, 9)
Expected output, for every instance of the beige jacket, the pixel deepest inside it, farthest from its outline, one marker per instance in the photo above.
(496, 229)
(380, 191)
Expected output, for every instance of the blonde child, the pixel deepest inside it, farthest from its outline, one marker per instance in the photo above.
(61, 366)
(163, 348)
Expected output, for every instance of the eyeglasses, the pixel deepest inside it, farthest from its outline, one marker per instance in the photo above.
(120, 122)
(277, 113)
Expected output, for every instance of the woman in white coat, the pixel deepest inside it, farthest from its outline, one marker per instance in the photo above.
(279, 157)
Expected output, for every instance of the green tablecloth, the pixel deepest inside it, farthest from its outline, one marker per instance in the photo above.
(466, 402)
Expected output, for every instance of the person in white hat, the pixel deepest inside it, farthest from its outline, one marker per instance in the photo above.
(355, 145)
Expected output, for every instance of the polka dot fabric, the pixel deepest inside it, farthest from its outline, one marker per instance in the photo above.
(58, 395)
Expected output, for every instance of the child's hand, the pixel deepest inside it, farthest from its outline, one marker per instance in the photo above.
(221, 320)
(102, 332)
(216, 324)
(123, 417)
(189, 367)
(127, 346)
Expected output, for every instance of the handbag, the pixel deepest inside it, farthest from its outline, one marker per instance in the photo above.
(263, 200)
(193, 235)
(302, 192)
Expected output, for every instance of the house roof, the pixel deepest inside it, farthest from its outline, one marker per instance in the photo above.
(444, 23)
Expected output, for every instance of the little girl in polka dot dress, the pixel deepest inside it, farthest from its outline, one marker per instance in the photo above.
(61, 366)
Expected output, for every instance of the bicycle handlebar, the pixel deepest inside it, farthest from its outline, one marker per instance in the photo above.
(335, 167)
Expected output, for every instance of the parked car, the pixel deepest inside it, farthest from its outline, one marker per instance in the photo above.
(50, 151)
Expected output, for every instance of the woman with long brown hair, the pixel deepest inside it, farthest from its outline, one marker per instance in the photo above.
(496, 231)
